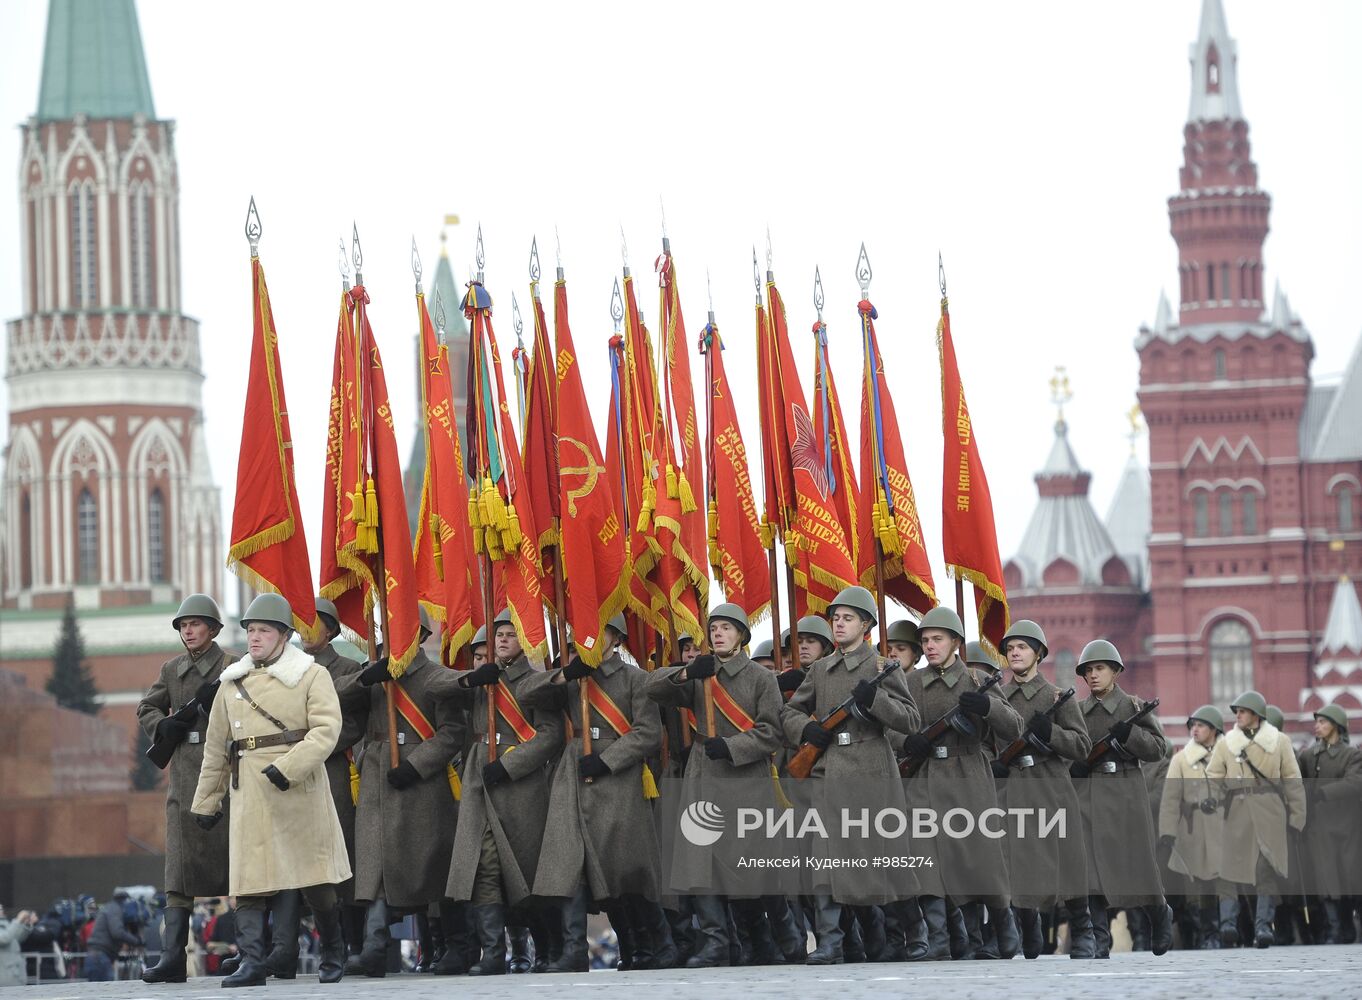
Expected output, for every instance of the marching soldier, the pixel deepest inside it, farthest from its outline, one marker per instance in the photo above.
(905, 645)
(858, 756)
(1257, 774)
(1038, 778)
(1123, 871)
(406, 816)
(1191, 824)
(977, 658)
(733, 756)
(600, 841)
(815, 642)
(764, 654)
(954, 773)
(505, 802)
(1333, 775)
(196, 859)
(269, 735)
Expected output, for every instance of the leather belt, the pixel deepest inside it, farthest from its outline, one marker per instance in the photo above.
(238, 748)
(599, 735)
(1024, 760)
(1252, 791)
(501, 742)
(965, 750)
(1115, 766)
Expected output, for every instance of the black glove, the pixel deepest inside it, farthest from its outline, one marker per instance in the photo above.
(172, 729)
(916, 745)
(403, 776)
(789, 680)
(1120, 732)
(208, 822)
(716, 748)
(1000, 770)
(1166, 842)
(590, 765)
(1079, 769)
(206, 693)
(864, 694)
(1041, 725)
(276, 777)
(974, 702)
(701, 667)
(495, 773)
(816, 735)
(483, 675)
(375, 673)
(576, 670)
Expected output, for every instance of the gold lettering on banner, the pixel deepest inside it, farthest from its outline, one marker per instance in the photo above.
(730, 444)
(962, 425)
(965, 432)
(565, 360)
(818, 524)
(387, 415)
(609, 529)
(389, 581)
(905, 507)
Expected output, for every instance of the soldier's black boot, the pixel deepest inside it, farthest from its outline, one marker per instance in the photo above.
(853, 945)
(1161, 928)
(352, 925)
(641, 941)
(790, 939)
(1032, 941)
(1005, 931)
(683, 931)
(454, 930)
(372, 960)
(490, 922)
(871, 921)
(173, 968)
(1262, 920)
(1101, 926)
(1209, 929)
(519, 936)
(712, 915)
(331, 964)
(574, 957)
(229, 965)
(425, 942)
(1137, 922)
(895, 932)
(960, 942)
(650, 924)
(1082, 942)
(1229, 922)
(250, 942)
(914, 931)
(547, 932)
(936, 925)
(1331, 936)
(618, 915)
(827, 930)
(286, 912)
(972, 915)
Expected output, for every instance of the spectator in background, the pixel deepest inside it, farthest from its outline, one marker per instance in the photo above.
(109, 935)
(13, 933)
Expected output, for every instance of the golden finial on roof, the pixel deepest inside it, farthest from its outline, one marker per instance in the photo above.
(1136, 427)
(450, 220)
(1060, 393)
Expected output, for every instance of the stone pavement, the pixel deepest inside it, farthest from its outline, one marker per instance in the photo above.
(1320, 971)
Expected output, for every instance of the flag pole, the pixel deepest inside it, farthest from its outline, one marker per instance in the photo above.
(771, 563)
(959, 581)
(863, 276)
(792, 592)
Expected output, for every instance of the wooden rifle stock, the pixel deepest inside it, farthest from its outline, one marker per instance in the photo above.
(1018, 746)
(1103, 746)
(909, 765)
(801, 764)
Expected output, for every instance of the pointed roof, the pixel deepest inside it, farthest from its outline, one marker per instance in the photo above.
(1128, 519)
(1340, 433)
(1163, 317)
(1062, 460)
(1343, 631)
(1215, 76)
(93, 62)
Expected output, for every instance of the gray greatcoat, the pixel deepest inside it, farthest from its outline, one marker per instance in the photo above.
(1197, 834)
(403, 838)
(1046, 870)
(338, 764)
(1333, 830)
(1117, 822)
(969, 868)
(516, 810)
(604, 830)
(196, 860)
(857, 772)
(746, 780)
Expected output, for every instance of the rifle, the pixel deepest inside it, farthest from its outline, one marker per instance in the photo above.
(952, 719)
(801, 764)
(161, 750)
(1106, 744)
(1028, 738)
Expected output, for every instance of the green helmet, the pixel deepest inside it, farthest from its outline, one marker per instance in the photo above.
(1253, 701)
(858, 599)
(904, 631)
(617, 623)
(1335, 714)
(785, 639)
(816, 625)
(682, 638)
(479, 637)
(732, 613)
(270, 608)
(503, 618)
(1275, 717)
(198, 606)
(1099, 651)
(329, 609)
(1031, 632)
(764, 648)
(943, 618)
(977, 656)
(1210, 715)
(427, 625)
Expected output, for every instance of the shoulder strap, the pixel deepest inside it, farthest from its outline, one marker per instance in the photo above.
(241, 690)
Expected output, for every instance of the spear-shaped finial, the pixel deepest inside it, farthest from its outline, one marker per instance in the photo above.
(863, 272)
(439, 315)
(818, 293)
(558, 240)
(356, 253)
(416, 264)
(534, 267)
(709, 287)
(253, 228)
(756, 273)
(624, 250)
(617, 306)
(770, 274)
(516, 321)
(343, 265)
(479, 255)
(941, 273)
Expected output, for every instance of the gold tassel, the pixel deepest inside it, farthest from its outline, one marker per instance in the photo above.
(649, 784)
(645, 514)
(512, 535)
(781, 799)
(455, 785)
(673, 491)
(767, 535)
(475, 522)
(371, 513)
(687, 497)
(354, 784)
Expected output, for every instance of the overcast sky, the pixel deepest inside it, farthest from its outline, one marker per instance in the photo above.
(1034, 144)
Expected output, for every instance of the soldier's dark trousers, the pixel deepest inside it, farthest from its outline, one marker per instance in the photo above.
(711, 914)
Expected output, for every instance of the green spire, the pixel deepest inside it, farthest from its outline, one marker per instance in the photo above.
(93, 62)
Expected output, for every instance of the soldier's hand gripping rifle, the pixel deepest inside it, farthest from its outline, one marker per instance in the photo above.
(1109, 742)
(1028, 738)
(955, 719)
(169, 737)
(801, 764)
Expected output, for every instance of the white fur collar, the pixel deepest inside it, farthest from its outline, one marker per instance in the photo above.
(288, 670)
(1237, 740)
(1194, 753)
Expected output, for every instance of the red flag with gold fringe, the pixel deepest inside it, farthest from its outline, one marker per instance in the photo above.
(830, 427)
(345, 574)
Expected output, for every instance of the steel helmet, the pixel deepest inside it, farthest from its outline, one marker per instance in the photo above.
(272, 609)
(198, 606)
(1099, 651)
(764, 648)
(1210, 715)
(1275, 717)
(904, 631)
(328, 609)
(617, 623)
(816, 625)
(730, 612)
(858, 599)
(977, 656)
(1253, 701)
(479, 637)
(943, 618)
(1031, 632)
(1335, 714)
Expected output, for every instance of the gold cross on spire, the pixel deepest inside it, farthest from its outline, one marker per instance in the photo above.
(1136, 427)
(1060, 393)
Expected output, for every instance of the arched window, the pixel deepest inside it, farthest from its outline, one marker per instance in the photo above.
(1210, 282)
(1345, 509)
(1212, 70)
(1220, 362)
(1250, 505)
(1231, 661)
(139, 239)
(1225, 281)
(156, 547)
(1200, 515)
(26, 542)
(1225, 501)
(87, 538)
(83, 263)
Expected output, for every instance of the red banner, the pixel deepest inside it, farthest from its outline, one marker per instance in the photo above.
(346, 537)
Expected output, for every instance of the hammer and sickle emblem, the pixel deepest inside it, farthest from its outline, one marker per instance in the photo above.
(590, 470)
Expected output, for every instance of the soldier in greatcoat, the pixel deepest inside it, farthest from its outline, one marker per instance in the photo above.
(196, 859)
(1332, 770)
